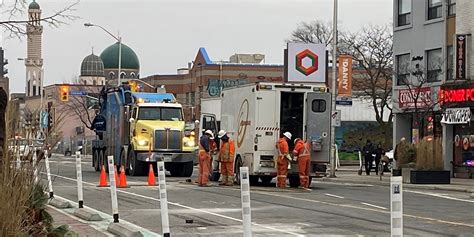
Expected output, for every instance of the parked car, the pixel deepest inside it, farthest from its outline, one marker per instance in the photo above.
(388, 167)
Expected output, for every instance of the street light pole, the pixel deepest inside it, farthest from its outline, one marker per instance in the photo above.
(119, 39)
(334, 91)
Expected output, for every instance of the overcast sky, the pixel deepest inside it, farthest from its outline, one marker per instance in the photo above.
(166, 34)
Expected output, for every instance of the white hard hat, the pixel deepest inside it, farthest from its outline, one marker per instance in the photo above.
(210, 133)
(221, 133)
(296, 139)
(287, 134)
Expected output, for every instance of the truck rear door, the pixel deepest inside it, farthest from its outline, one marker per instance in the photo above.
(266, 124)
(318, 125)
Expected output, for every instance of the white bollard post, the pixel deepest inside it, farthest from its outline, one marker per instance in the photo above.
(165, 225)
(48, 174)
(35, 165)
(338, 164)
(113, 188)
(245, 197)
(80, 197)
(396, 206)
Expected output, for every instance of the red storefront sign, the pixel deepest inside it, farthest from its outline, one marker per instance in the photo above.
(456, 95)
(414, 98)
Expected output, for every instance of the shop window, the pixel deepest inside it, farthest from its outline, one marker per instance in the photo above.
(433, 65)
(403, 74)
(434, 9)
(404, 12)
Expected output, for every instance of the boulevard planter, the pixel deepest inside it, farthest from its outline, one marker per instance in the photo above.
(397, 172)
(430, 177)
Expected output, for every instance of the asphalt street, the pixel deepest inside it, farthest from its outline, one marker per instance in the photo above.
(329, 209)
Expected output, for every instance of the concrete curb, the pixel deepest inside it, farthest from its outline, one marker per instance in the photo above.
(60, 204)
(413, 186)
(87, 215)
(123, 230)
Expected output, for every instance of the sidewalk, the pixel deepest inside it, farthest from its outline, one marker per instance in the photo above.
(349, 175)
(80, 228)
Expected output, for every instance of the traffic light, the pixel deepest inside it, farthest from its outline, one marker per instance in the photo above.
(64, 93)
(50, 117)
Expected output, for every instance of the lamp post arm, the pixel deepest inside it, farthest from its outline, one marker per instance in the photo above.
(108, 32)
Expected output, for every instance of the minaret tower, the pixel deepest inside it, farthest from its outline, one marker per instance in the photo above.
(34, 61)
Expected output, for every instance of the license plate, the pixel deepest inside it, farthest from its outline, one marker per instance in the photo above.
(167, 158)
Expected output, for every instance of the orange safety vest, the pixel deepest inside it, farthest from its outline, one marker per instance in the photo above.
(227, 151)
(301, 149)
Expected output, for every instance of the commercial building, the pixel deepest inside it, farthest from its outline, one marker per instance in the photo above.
(204, 78)
(457, 96)
(433, 62)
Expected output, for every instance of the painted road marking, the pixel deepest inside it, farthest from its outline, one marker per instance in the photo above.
(440, 196)
(103, 225)
(332, 195)
(372, 205)
(368, 209)
(191, 208)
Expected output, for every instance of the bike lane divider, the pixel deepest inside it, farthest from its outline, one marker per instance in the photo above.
(262, 226)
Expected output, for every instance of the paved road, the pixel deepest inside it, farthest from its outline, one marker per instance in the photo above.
(330, 209)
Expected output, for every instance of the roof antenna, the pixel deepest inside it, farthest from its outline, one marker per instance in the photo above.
(92, 49)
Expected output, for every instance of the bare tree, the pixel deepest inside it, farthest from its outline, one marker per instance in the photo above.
(417, 97)
(83, 106)
(16, 27)
(312, 32)
(372, 49)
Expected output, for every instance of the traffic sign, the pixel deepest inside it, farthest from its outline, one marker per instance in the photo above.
(78, 93)
(44, 119)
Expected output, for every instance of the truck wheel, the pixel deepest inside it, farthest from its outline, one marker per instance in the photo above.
(294, 181)
(96, 161)
(136, 167)
(238, 164)
(266, 179)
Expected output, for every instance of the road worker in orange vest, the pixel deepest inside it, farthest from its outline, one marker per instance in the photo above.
(303, 156)
(283, 160)
(204, 157)
(226, 158)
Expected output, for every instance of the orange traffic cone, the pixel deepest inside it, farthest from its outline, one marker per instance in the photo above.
(103, 178)
(122, 179)
(151, 176)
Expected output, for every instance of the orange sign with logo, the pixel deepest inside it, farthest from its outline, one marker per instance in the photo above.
(345, 76)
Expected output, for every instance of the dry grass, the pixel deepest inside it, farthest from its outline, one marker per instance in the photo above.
(22, 200)
(406, 153)
(429, 155)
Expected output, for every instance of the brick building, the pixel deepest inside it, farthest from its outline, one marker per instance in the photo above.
(205, 78)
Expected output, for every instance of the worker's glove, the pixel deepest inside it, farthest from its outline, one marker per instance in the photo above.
(287, 156)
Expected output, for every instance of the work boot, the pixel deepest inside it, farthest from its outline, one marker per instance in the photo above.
(223, 180)
(230, 181)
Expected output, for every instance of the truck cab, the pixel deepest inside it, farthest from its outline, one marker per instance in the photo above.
(144, 129)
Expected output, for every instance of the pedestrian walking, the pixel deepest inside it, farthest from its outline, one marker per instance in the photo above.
(379, 152)
(302, 155)
(226, 158)
(283, 159)
(368, 158)
(204, 157)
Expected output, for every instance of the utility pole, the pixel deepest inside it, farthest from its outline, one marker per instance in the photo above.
(333, 91)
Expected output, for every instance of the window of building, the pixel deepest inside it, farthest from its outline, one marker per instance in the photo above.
(132, 75)
(434, 9)
(433, 65)
(404, 12)
(403, 71)
(450, 63)
(122, 75)
(187, 98)
(193, 98)
(451, 7)
(111, 75)
(34, 90)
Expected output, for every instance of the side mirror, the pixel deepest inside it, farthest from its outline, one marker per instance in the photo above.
(131, 120)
